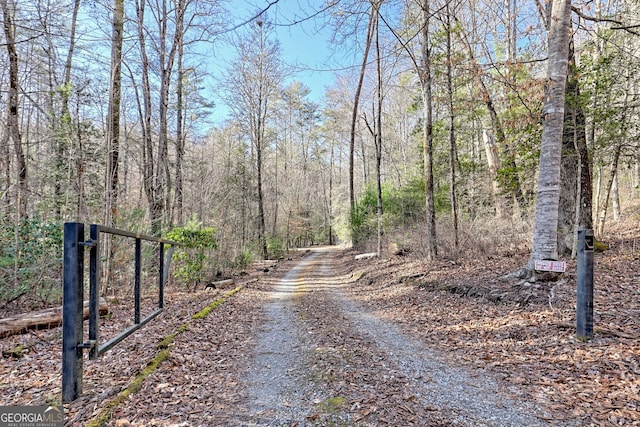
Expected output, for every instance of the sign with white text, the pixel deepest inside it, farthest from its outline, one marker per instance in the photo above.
(31, 416)
(547, 265)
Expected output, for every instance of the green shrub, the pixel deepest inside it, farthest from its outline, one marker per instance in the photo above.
(363, 215)
(31, 260)
(196, 242)
(243, 259)
(275, 247)
(400, 206)
(405, 204)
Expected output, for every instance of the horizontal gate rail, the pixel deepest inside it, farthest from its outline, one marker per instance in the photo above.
(73, 297)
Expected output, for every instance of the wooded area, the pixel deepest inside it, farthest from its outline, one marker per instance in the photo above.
(461, 121)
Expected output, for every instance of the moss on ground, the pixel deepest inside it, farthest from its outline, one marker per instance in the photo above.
(103, 418)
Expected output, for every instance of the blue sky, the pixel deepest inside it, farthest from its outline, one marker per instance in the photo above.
(305, 45)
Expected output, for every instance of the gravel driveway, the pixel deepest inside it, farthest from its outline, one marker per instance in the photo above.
(296, 349)
(321, 359)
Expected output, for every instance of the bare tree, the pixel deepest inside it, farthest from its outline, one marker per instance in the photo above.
(422, 64)
(356, 101)
(378, 125)
(376, 128)
(253, 85)
(425, 77)
(167, 39)
(178, 205)
(113, 120)
(497, 139)
(452, 132)
(13, 118)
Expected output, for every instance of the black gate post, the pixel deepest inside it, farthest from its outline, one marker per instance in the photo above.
(136, 283)
(73, 297)
(584, 300)
(94, 289)
(161, 275)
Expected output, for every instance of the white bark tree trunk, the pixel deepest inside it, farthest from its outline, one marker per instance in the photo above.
(545, 243)
(493, 163)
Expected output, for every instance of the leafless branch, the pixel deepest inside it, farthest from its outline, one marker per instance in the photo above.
(247, 21)
(619, 24)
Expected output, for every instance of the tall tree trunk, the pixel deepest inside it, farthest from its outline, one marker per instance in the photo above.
(572, 166)
(178, 204)
(180, 133)
(545, 232)
(276, 195)
(260, 142)
(354, 112)
(493, 164)
(598, 189)
(378, 128)
(13, 109)
(167, 56)
(161, 177)
(69, 62)
(62, 123)
(585, 193)
(331, 240)
(81, 210)
(607, 191)
(113, 136)
(635, 174)
(113, 122)
(615, 160)
(144, 110)
(615, 200)
(427, 132)
(5, 161)
(452, 135)
(261, 225)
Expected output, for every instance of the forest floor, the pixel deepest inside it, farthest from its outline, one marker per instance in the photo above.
(325, 339)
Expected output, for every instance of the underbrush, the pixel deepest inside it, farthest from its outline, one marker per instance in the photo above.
(482, 237)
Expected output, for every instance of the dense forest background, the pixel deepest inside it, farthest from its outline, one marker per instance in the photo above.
(430, 143)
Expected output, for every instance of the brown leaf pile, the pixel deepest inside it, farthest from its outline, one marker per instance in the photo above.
(525, 332)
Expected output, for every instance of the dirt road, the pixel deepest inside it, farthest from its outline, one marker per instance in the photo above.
(296, 349)
(362, 370)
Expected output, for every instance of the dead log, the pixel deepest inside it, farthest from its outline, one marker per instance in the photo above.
(367, 256)
(42, 319)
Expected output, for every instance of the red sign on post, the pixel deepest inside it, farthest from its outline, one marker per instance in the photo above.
(546, 265)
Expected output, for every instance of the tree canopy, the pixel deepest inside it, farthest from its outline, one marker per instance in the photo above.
(145, 114)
